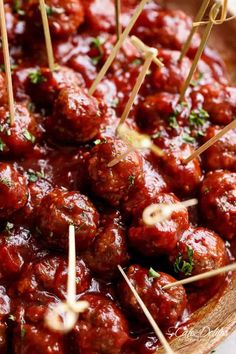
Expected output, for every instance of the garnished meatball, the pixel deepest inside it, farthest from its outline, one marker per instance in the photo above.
(171, 77)
(218, 202)
(183, 178)
(219, 101)
(222, 154)
(64, 17)
(77, 116)
(44, 85)
(199, 250)
(162, 237)
(110, 247)
(13, 190)
(166, 306)
(113, 183)
(57, 211)
(20, 138)
(102, 328)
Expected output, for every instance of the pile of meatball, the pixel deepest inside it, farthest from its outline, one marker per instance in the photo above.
(54, 172)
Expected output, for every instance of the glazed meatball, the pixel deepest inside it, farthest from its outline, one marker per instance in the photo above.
(20, 138)
(218, 202)
(113, 183)
(49, 276)
(165, 28)
(110, 247)
(219, 101)
(13, 190)
(44, 86)
(171, 77)
(166, 306)
(102, 328)
(17, 247)
(64, 17)
(222, 154)
(77, 116)
(162, 237)
(100, 15)
(183, 178)
(57, 211)
(199, 250)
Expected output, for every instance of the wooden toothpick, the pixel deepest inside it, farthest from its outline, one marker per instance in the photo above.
(151, 320)
(48, 41)
(211, 141)
(117, 18)
(198, 18)
(211, 273)
(145, 49)
(70, 309)
(155, 213)
(214, 11)
(223, 18)
(7, 63)
(116, 48)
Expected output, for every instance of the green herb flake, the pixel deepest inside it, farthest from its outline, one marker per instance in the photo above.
(188, 139)
(36, 77)
(11, 318)
(100, 141)
(114, 103)
(198, 117)
(7, 182)
(183, 266)
(28, 136)
(49, 10)
(97, 43)
(16, 7)
(152, 274)
(173, 122)
(157, 135)
(194, 83)
(131, 180)
(9, 226)
(2, 145)
(22, 331)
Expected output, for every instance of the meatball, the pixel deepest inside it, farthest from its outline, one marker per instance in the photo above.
(44, 86)
(100, 15)
(162, 237)
(28, 339)
(20, 138)
(110, 247)
(218, 202)
(64, 17)
(183, 178)
(171, 77)
(166, 306)
(165, 28)
(113, 183)
(48, 276)
(102, 328)
(17, 247)
(219, 101)
(199, 250)
(13, 190)
(57, 211)
(222, 154)
(77, 116)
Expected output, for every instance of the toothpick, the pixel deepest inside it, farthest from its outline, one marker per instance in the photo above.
(223, 17)
(149, 58)
(48, 41)
(209, 274)
(63, 316)
(156, 213)
(144, 48)
(211, 141)
(151, 320)
(214, 12)
(116, 48)
(117, 17)
(7, 63)
(198, 18)
(136, 141)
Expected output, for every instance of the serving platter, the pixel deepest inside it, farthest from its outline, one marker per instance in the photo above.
(215, 321)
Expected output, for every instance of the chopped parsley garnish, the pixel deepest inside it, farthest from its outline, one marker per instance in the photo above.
(182, 266)
(36, 77)
(2, 145)
(137, 62)
(28, 136)
(131, 180)
(33, 176)
(100, 141)
(11, 318)
(157, 135)
(188, 139)
(115, 102)
(198, 117)
(22, 331)
(153, 274)
(173, 122)
(9, 226)
(49, 10)
(17, 8)
(196, 82)
(7, 182)
(97, 43)
(54, 10)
